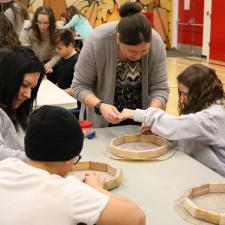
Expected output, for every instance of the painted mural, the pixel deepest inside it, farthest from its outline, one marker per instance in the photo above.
(102, 11)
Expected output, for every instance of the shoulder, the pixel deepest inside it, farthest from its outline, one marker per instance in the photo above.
(5, 121)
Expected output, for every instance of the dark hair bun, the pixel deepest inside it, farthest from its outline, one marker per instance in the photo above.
(129, 8)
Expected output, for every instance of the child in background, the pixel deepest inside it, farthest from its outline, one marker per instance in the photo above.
(78, 22)
(200, 130)
(64, 70)
(53, 144)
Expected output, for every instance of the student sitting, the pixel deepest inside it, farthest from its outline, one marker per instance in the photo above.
(200, 130)
(21, 73)
(63, 74)
(53, 143)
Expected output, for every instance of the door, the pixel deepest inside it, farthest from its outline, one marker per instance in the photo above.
(190, 26)
(217, 38)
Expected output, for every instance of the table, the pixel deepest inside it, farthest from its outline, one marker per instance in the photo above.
(154, 186)
(50, 94)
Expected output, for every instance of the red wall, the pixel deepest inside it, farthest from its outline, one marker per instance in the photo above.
(217, 39)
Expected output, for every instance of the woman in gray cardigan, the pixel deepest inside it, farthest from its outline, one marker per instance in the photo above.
(122, 64)
(200, 130)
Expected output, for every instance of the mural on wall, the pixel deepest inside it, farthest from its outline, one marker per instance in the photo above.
(102, 11)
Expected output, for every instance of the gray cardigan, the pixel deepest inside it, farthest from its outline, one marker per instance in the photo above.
(95, 70)
(200, 135)
(11, 141)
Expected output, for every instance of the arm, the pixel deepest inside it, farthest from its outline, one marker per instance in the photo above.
(9, 137)
(6, 152)
(84, 83)
(201, 126)
(158, 90)
(72, 22)
(117, 208)
(25, 38)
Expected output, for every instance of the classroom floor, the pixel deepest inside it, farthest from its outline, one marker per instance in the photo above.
(175, 65)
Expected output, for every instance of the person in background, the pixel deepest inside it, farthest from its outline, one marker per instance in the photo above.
(8, 36)
(39, 35)
(15, 12)
(199, 130)
(63, 20)
(53, 144)
(64, 70)
(121, 65)
(20, 77)
(78, 22)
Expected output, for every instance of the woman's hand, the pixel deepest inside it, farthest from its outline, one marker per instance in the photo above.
(110, 113)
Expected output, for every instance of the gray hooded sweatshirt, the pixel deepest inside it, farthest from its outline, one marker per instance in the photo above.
(201, 135)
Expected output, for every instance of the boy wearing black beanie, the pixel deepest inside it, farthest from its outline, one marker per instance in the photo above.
(36, 192)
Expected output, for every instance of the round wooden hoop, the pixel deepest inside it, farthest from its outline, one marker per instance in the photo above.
(140, 154)
(202, 214)
(109, 184)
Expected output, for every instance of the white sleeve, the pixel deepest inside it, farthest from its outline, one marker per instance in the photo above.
(199, 126)
(88, 204)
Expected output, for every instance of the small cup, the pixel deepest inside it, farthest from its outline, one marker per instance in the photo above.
(86, 127)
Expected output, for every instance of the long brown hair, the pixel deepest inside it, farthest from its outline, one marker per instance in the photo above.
(205, 88)
(72, 11)
(8, 36)
(44, 10)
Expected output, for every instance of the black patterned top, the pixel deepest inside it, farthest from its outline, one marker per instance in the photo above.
(128, 85)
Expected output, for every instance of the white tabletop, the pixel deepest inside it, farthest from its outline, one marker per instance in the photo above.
(154, 186)
(50, 94)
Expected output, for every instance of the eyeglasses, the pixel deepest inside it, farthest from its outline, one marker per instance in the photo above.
(76, 159)
(42, 23)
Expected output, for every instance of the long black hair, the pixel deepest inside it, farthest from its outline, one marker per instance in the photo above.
(15, 62)
(133, 27)
(205, 88)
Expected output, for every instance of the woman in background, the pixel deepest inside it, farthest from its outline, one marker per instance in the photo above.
(39, 35)
(200, 129)
(20, 77)
(15, 12)
(78, 22)
(8, 36)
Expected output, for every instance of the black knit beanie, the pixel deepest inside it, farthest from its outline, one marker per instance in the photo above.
(53, 134)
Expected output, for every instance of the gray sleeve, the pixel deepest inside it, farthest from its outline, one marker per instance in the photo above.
(25, 38)
(11, 153)
(158, 88)
(6, 152)
(85, 72)
(200, 126)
